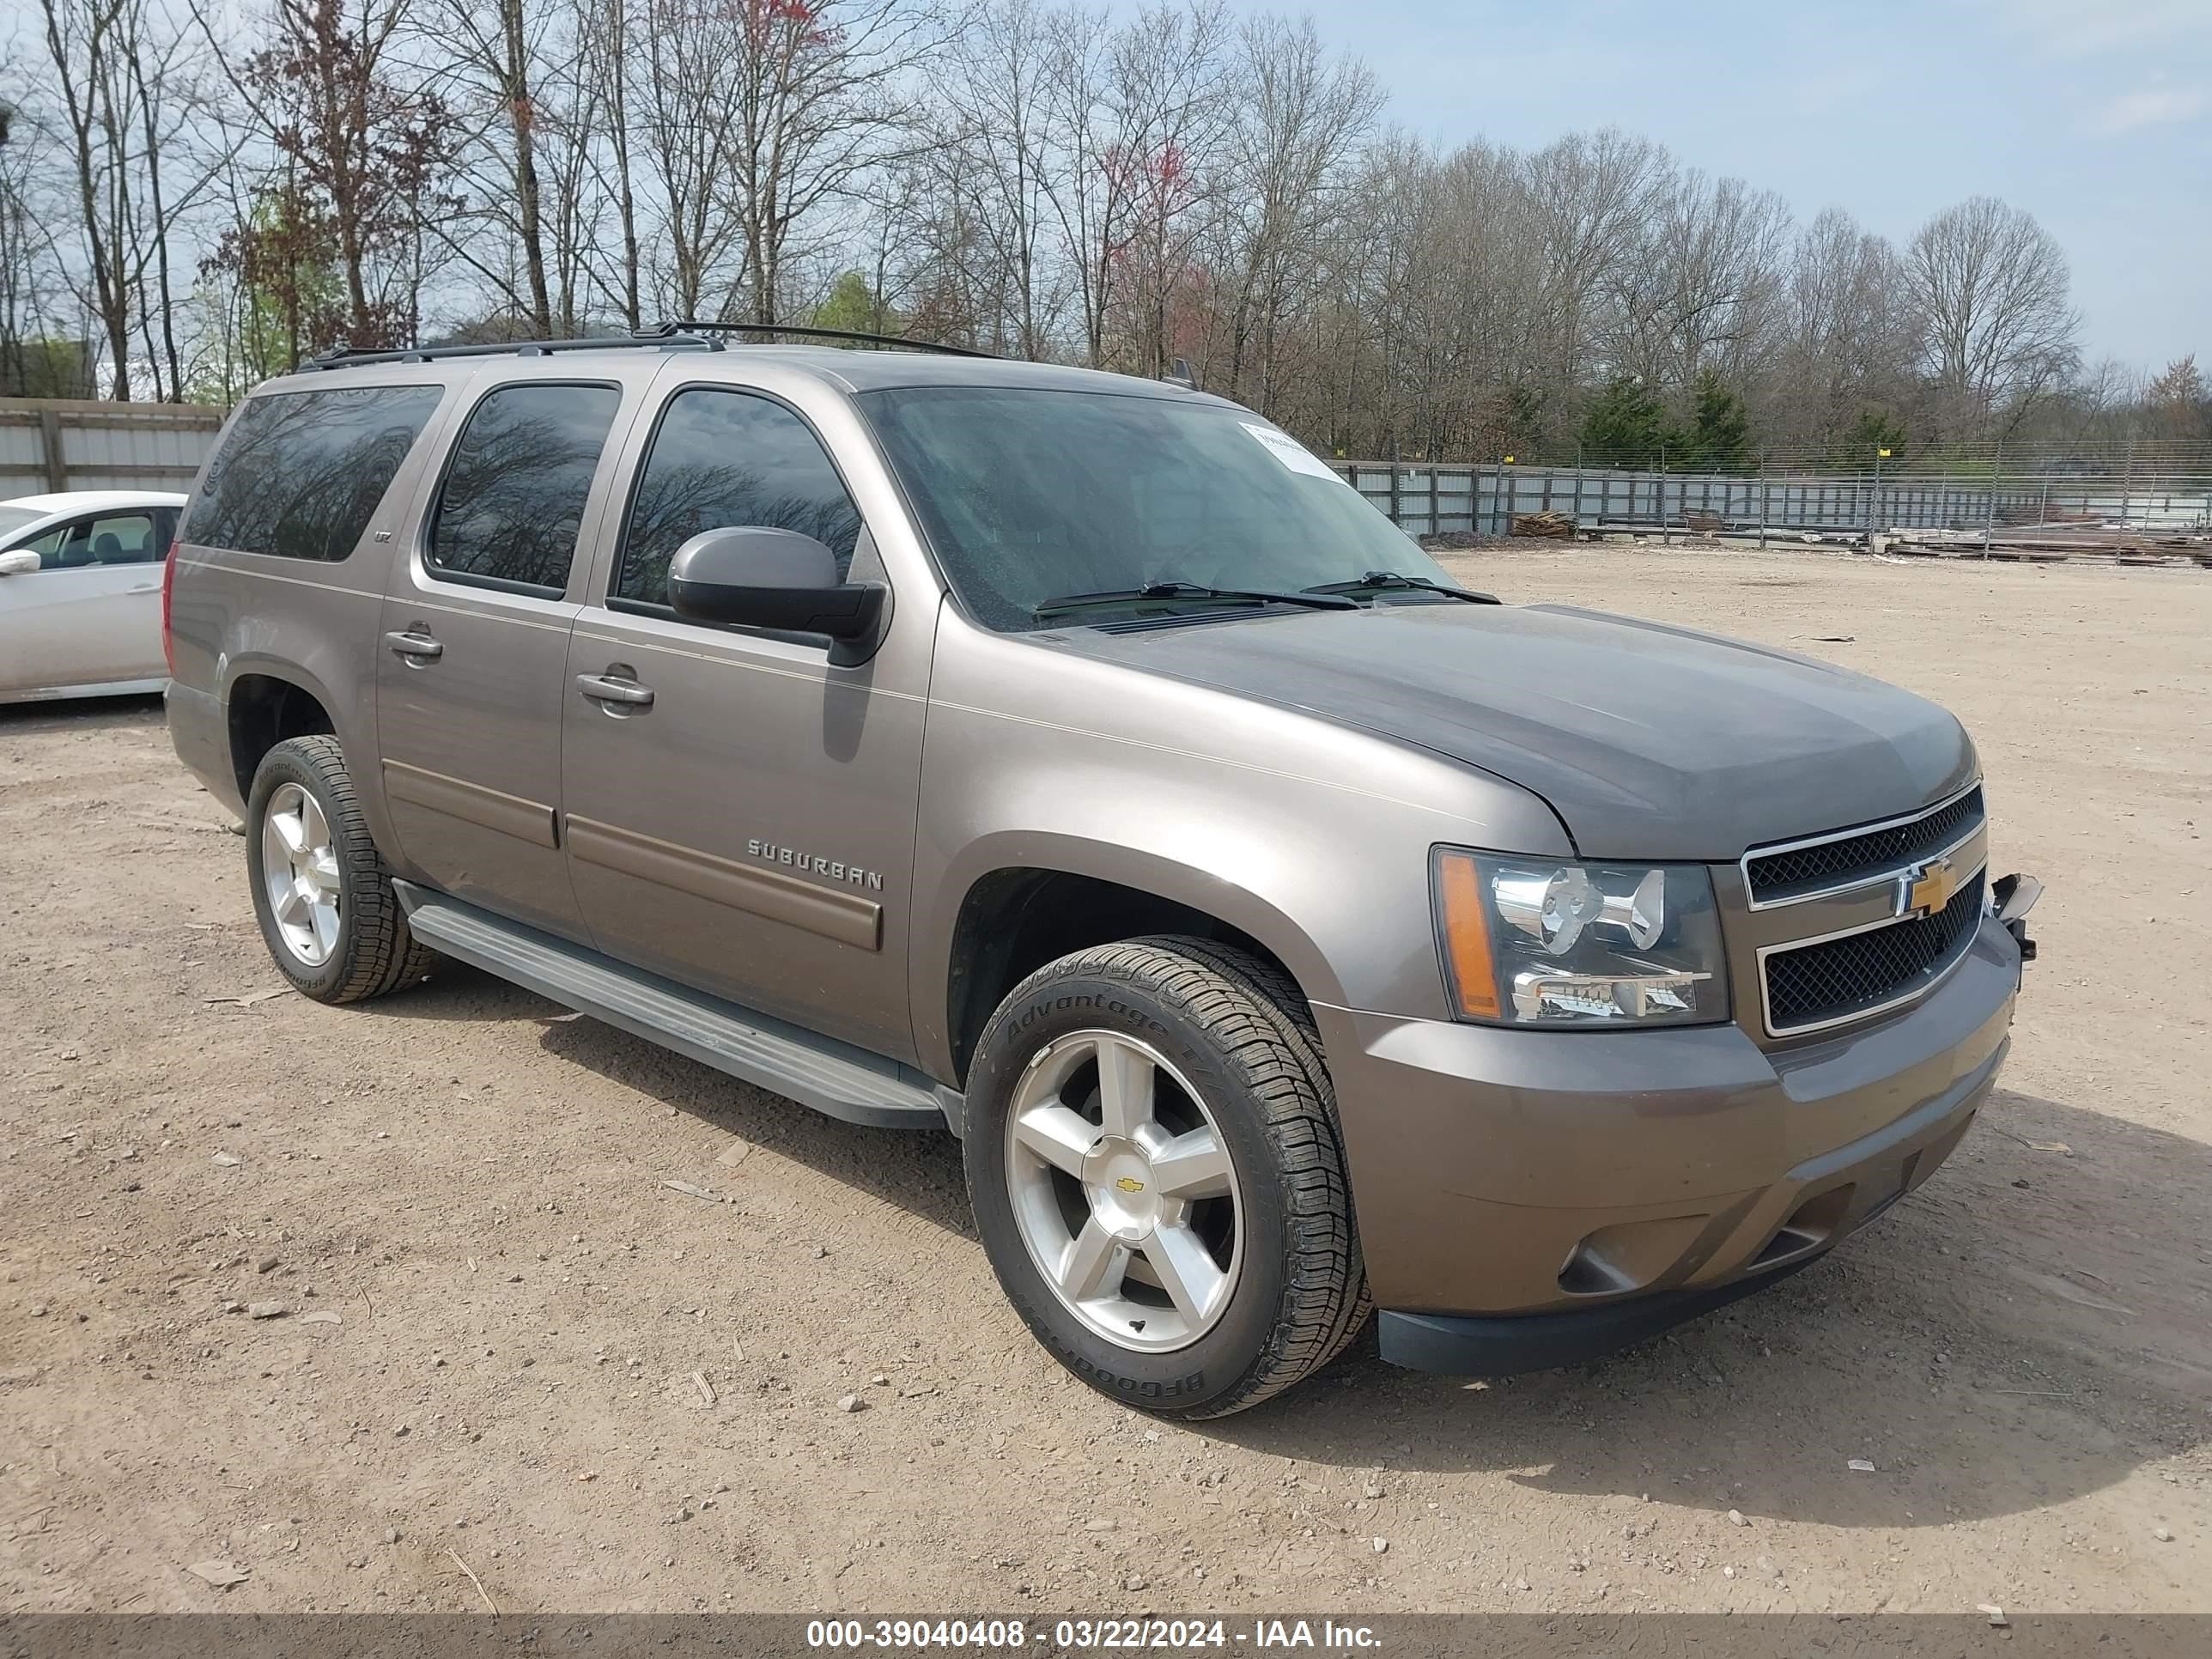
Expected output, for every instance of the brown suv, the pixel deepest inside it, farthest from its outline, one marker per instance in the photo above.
(1076, 761)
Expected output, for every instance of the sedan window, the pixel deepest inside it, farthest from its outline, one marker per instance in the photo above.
(116, 538)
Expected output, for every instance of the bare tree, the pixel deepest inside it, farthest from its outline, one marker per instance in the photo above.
(1701, 289)
(1299, 118)
(600, 142)
(1139, 110)
(1849, 339)
(1998, 329)
(33, 297)
(362, 150)
(1590, 195)
(823, 99)
(494, 46)
(990, 173)
(90, 44)
(2179, 402)
(1051, 179)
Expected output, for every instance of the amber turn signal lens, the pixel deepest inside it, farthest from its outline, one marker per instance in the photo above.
(1467, 938)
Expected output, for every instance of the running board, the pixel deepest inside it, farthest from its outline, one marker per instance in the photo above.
(836, 1077)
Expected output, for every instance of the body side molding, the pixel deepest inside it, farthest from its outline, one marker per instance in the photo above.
(511, 815)
(845, 917)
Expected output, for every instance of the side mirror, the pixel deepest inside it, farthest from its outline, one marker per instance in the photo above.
(757, 577)
(19, 562)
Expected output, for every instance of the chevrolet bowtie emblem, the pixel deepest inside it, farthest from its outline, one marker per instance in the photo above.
(1130, 1185)
(1926, 888)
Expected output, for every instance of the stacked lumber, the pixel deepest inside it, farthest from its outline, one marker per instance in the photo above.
(1560, 526)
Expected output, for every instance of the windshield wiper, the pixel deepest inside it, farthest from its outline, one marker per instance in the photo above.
(1381, 580)
(1312, 599)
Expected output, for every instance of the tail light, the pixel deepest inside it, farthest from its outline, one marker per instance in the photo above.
(168, 594)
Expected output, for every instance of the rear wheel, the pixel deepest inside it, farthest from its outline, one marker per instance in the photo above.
(1152, 1154)
(321, 892)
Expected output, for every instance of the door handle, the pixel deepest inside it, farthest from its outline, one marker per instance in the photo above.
(420, 647)
(601, 688)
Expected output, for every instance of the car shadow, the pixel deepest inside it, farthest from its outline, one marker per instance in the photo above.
(2004, 1340)
(923, 1175)
(23, 720)
(2016, 1334)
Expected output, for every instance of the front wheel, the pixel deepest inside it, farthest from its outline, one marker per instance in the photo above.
(1153, 1154)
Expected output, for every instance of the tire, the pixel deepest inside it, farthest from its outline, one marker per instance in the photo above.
(364, 950)
(1279, 994)
(1223, 1049)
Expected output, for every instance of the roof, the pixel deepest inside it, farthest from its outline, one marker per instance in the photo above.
(91, 500)
(874, 371)
(850, 370)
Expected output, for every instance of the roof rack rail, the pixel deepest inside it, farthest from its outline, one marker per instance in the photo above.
(345, 356)
(808, 331)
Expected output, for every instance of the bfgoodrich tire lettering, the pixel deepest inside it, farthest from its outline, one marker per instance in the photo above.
(373, 952)
(1235, 1032)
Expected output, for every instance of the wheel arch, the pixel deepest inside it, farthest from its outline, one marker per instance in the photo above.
(264, 704)
(1028, 899)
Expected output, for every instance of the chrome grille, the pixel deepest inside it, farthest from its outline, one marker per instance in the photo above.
(1846, 978)
(1850, 858)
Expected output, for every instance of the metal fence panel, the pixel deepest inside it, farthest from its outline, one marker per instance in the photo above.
(1425, 498)
(57, 444)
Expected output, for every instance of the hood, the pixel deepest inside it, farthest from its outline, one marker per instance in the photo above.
(1649, 741)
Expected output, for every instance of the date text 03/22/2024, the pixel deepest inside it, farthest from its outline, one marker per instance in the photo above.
(1090, 1635)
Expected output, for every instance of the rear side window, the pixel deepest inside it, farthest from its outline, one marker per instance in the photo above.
(513, 505)
(301, 473)
(724, 460)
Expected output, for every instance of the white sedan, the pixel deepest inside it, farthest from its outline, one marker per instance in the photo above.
(80, 592)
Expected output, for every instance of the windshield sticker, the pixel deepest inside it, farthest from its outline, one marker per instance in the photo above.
(1291, 452)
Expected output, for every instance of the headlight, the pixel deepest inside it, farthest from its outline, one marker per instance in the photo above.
(1539, 942)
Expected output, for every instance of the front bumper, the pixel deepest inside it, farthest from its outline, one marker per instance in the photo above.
(1532, 1199)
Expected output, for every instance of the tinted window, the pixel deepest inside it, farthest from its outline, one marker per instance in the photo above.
(725, 458)
(512, 504)
(301, 473)
(1032, 495)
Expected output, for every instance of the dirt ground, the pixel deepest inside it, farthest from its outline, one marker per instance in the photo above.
(600, 1393)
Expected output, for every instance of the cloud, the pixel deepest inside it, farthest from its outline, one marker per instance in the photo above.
(2149, 106)
(2072, 28)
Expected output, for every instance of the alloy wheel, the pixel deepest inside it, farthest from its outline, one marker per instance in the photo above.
(1123, 1191)
(300, 874)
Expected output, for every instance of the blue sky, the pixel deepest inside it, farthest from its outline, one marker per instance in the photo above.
(2094, 115)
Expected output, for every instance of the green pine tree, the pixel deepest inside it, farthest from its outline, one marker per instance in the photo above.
(1719, 440)
(1625, 427)
(1875, 430)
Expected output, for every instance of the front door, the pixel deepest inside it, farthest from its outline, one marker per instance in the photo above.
(740, 809)
(91, 613)
(473, 653)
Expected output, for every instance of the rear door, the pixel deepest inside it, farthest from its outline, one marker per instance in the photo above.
(473, 656)
(91, 613)
(750, 830)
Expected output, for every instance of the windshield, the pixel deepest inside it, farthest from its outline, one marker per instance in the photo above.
(13, 519)
(1029, 495)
